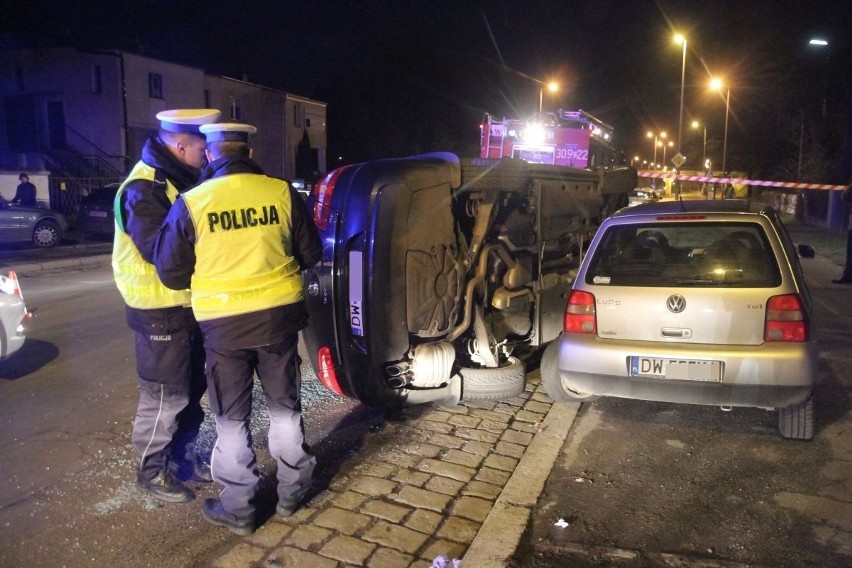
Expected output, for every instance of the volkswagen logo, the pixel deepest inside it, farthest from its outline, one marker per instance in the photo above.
(676, 303)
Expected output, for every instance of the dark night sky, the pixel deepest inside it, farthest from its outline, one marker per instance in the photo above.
(410, 76)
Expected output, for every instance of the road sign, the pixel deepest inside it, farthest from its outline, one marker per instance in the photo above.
(678, 160)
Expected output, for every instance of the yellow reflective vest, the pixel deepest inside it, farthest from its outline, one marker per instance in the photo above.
(137, 279)
(243, 246)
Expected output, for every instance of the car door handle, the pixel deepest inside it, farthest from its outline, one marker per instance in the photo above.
(680, 332)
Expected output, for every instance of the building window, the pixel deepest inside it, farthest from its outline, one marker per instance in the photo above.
(298, 115)
(236, 108)
(314, 120)
(155, 85)
(97, 81)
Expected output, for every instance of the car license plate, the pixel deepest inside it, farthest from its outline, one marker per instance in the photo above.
(676, 369)
(97, 214)
(356, 294)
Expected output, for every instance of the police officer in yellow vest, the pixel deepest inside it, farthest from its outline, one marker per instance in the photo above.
(240, 240)
(169, 348)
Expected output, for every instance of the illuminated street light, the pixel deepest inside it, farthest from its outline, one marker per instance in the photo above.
(669, 145)
(553, 87)
(655, 136)
(822, 43)
(716, 85)
(696, 124)
(680, 39)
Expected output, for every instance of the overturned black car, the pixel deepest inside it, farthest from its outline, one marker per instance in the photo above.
(439, 274)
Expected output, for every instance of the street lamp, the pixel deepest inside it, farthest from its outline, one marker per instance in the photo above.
(655, 137)
(716, 85)
(822, 43)
(664, 145)
(680, 39)
(696, 124)
(553, 86)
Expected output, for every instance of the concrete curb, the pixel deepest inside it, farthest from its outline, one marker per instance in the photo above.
(501, 532)
(35, 266)
(31, 267)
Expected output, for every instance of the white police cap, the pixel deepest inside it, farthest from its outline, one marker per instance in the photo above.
(186, 119)
(228, 132)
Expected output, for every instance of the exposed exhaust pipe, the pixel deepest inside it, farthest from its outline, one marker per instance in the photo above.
(397, 375)
(468, 297)
(430, 367)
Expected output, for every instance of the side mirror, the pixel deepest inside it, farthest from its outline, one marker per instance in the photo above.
(806, 251)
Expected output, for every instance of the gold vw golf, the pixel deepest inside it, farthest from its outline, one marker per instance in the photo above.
(699, 302)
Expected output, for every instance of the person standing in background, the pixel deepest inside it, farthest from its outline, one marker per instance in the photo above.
(25, 195)
(846, 277)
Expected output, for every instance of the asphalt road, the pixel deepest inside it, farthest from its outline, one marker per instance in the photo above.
(67, 402)
(636, 484)
(651, 484)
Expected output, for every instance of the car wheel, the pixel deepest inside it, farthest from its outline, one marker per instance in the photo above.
(552, 382)
(493, 383)
(46, 234)
(797, 422)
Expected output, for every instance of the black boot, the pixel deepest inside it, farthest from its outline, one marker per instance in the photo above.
(201, 472)
(287, 507)
(165, 487)
(191, 469)
(213, 512)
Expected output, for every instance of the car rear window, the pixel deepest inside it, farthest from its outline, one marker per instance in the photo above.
(103, 194)
(708, 254)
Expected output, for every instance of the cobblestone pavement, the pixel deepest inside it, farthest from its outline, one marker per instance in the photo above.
(420, 489)
(459, 482)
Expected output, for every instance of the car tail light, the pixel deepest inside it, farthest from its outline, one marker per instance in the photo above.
(322, 198)
(580, 313)
(785, 319)
(326, 373)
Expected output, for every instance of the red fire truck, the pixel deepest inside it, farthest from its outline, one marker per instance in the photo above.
(565, 138)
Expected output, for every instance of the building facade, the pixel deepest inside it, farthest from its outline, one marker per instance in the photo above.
(82, 117)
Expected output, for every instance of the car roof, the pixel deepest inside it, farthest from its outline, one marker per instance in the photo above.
(674, 207)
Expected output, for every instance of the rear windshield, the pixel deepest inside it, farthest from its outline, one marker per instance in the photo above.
(684, 254)
(106, 194)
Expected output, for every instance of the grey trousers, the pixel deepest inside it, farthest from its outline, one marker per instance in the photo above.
(233, 464)
(170, 365)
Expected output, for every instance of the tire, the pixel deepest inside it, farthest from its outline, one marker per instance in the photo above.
(46, 234)
(552, 382)
(493, 383)
(797, 422)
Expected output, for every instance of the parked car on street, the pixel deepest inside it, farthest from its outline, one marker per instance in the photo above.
(96, 216)
(642, 195)
(13, 312)
(41, 227)
(439, 274)
(699, 302)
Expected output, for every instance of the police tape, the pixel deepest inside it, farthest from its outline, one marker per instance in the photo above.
(742, 181)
